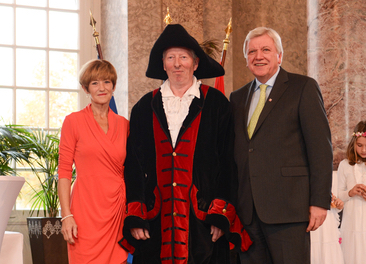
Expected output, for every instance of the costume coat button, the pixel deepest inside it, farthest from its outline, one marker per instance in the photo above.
(174, 154)
(250, 150)
(174, 184)
(174, 214)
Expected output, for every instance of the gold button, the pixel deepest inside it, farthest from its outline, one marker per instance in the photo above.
(174, 214)
(223, 211)
(174, 154)
(174, 184)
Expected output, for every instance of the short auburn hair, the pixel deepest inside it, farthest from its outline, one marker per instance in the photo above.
(352, 155)
(97, 70)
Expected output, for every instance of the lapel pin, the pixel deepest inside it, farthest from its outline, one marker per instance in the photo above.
(270, 99)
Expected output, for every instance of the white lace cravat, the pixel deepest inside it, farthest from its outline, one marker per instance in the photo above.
(176, 109)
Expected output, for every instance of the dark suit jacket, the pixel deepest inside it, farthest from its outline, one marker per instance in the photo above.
(287, 165)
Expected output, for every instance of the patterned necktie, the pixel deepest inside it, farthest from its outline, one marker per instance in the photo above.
(258, 110)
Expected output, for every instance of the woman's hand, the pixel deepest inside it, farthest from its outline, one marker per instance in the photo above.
(69, 230)
(358, 189)
(139, 233)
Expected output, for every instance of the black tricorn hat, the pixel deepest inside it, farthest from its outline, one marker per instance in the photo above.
(176, 36)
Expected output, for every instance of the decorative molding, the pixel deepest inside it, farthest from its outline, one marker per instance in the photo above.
(34, 228)
(49, 229)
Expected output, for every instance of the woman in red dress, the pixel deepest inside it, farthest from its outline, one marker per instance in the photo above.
(94, 139)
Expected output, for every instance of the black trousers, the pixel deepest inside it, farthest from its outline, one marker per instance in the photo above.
(277, 243)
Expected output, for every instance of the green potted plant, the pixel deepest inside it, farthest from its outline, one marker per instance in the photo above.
(45, 232)
(13, 148)
(44, 166)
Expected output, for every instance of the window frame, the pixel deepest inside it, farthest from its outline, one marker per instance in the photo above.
(85, 52)
(18, 219)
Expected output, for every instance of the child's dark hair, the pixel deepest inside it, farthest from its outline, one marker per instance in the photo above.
(352, 155)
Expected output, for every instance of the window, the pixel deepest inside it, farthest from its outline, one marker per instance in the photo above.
(42, 45)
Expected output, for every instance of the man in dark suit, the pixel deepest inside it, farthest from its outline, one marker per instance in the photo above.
(284, 155)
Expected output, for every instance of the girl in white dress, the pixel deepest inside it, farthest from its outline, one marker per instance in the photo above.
(325, 241)
(352, 191)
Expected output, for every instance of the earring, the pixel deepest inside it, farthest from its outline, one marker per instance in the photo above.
(88, 96)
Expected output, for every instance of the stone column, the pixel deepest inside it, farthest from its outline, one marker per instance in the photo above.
(114, 41)
(287, 17)
(336, 59)
(144, 27)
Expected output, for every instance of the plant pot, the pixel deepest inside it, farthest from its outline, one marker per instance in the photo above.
(47, 242)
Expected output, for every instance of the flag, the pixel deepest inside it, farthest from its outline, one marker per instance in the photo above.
(219, 84)
(112, 105)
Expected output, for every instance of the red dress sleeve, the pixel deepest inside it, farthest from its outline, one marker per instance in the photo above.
(67, 147)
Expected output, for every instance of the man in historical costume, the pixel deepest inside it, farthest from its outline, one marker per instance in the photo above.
(180, 174)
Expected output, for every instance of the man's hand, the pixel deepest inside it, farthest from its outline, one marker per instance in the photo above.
(317, 216)
(140, 234)
(216, 233)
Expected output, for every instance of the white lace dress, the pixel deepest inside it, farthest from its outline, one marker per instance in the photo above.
(353, 227)
(325, 247)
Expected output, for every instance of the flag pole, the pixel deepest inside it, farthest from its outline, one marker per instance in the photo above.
(226, 41)
(219, 81)
(96, 37)
(167, 18)
(112, 103)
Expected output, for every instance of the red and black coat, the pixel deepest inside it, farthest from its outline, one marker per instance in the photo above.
(177, 193)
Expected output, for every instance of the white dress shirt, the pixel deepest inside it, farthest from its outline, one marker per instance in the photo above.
(255, 97)
(176, 108)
